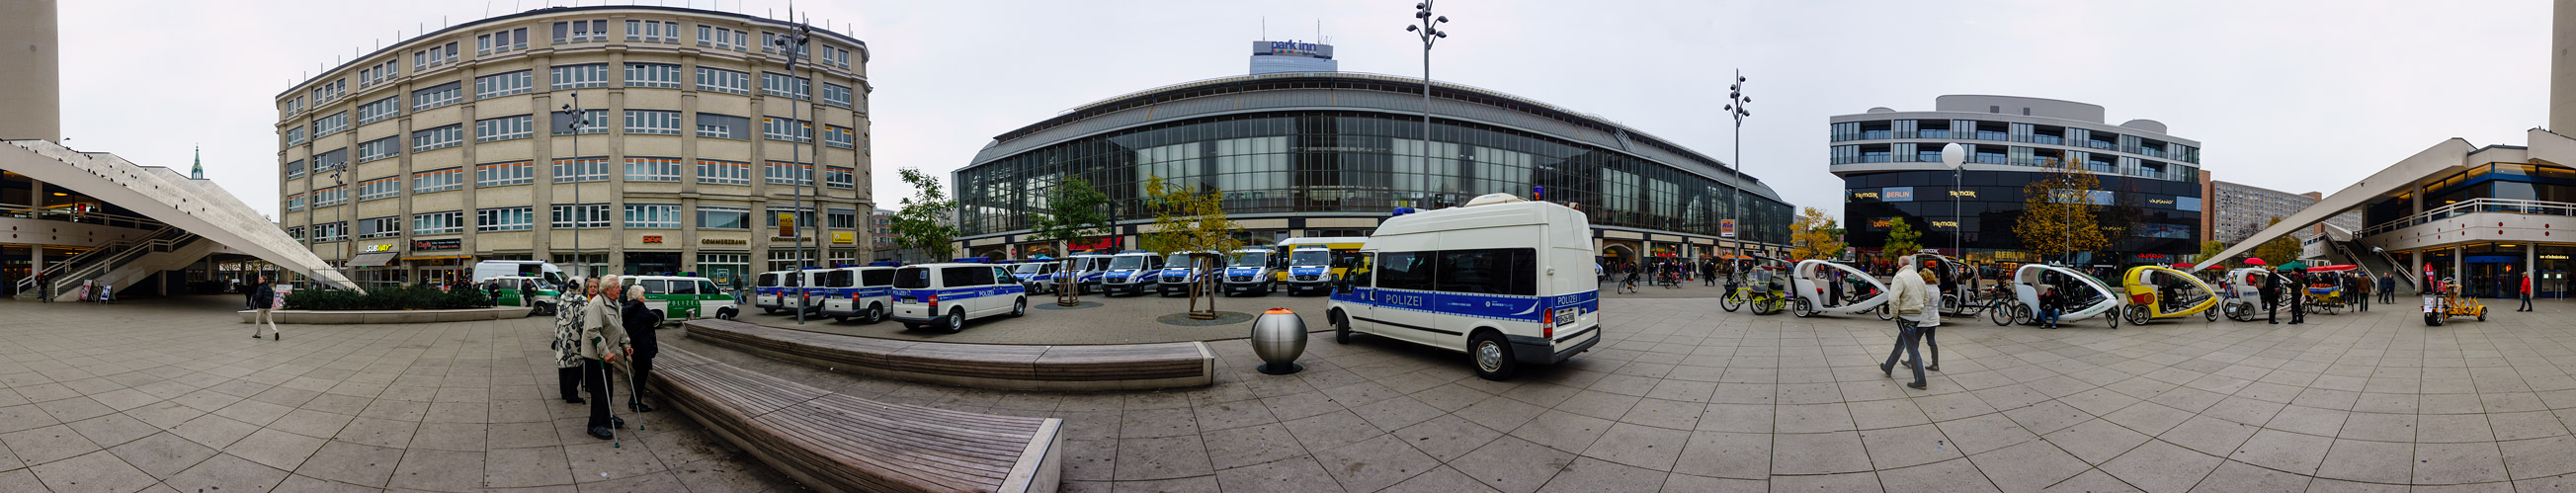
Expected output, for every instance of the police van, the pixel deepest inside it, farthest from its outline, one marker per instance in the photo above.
(1131, 272)
(1505, 280)
(525, 291)
(766, 289)
(1251, 270)
(1085, 269)
(1314, 263)
(1036, 275)
(676, 298)
(862, 292)
(779, 290)
(1180, 271)
(945, 296)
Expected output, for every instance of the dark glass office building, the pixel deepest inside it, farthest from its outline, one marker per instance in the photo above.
(1891, 166)
(1331, 154)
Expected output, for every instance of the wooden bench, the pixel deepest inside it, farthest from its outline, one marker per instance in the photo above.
(994, 366)
(836, 442)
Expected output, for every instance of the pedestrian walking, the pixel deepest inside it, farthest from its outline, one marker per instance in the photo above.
(570, 308)
(262, 298)
(2361, 284)
(2526, 292)
(640, 322)
(2388, 289)
(1707, 273)
(601, 343)
(1912, 312)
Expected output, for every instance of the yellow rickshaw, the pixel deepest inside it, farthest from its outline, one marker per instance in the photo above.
(2157, 291)
(2449, 302)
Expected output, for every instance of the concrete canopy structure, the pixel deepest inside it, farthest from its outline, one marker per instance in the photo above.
(162, 194)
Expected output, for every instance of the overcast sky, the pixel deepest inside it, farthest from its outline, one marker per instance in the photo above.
(2297, 96)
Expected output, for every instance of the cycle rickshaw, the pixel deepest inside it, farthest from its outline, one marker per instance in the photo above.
(2328, 296)
(1812, 280)
(1759, 286)
(2087, 295)
(2243, 290)
(2157, 291)
(2447, 301)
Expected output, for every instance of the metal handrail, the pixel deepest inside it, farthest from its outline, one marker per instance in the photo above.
(82, 268)
(2472, 206)
(49, 214)
(82, 258)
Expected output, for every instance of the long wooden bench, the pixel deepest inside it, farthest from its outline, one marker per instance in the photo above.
(994, 366)
(836, 442)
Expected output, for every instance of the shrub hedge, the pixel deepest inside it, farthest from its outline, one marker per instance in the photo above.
(388, 298)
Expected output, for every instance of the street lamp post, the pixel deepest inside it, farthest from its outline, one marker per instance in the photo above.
(348, 221)
(1429, 30)
(802, 173)
(1735, 109)
(580, 120)
(1956, 157)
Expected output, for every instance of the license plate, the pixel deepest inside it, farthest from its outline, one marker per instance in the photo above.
(1567, 315)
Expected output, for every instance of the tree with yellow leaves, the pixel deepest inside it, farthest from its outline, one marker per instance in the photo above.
(1189, 221)
(1815, 236)
(2057, 215)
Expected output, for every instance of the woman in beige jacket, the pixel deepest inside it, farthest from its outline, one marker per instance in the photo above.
(602, 342)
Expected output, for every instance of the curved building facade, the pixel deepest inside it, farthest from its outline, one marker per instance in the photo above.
(415, 161)
(1331, 154)
(1890, 163)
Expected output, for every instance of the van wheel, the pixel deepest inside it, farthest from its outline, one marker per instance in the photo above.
(956, 321)
(1341, 327)
(1019, 307)
(876, 313)
(1493, 356)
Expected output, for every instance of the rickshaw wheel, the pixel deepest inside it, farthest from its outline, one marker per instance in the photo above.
(2021, 314)
(2000, 313)
(2137, 314)
(2212, 315)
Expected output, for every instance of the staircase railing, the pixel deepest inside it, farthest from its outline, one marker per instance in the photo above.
(72, 274)
(76, 260)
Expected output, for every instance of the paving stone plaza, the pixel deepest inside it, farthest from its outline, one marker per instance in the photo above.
(169, 395)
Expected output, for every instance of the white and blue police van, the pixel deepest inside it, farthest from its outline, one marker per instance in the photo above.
(865, 293)
(1180, 271)
(767, 290)
(1086, 270)
(1505, 280)
(1036, 275)
(945, 296)
(1130, 272)
(1310, 269)
(1251, 270)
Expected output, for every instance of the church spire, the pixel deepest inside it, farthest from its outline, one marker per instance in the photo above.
(198, 172)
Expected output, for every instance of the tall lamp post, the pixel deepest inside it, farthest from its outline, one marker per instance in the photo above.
(1429, 30)
(348, 222)
(577, 119)
(1956, 157)
(1735, 109)
(791, 44)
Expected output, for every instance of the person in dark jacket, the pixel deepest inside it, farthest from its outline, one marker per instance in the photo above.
(2049, 301)
(640, 322)
(2271, 297)
(2299, 296)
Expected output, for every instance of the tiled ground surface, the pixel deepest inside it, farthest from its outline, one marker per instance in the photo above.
(173, 395)
(1682, 398)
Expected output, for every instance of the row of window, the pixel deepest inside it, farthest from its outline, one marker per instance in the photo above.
(574, 77)
(567, 216)
(656, 122)
(575, 170)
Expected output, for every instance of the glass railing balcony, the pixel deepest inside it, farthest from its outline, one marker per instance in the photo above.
(1932, 134)
(1928, 157)
(2047, 139)
(1988, 159)
(2151, 152)
(1877, 158)
(1877, 135)
(1984, 135)
(2096, 144)
(2475, 206)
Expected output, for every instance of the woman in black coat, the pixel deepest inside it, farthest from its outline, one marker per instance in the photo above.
(639, 322)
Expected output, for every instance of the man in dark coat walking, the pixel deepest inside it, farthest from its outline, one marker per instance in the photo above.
(2299, 296)
(2272, 297)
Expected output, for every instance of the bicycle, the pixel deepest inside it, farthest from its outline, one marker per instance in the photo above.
(1764, 302)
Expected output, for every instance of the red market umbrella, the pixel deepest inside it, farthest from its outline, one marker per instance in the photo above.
(2332, 268)
(2185, 265)
(2254, 261)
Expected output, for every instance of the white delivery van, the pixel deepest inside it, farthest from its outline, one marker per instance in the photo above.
(1505, 280)
(488, 269)
(945, 296)
(1130, 272)
(1251, 270)
(863, 292)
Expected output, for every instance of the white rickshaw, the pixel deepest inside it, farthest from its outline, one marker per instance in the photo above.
(2243, 288)
(1814, 281)
(2088, 296)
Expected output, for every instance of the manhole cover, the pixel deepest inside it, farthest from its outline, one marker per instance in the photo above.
(1222, 318)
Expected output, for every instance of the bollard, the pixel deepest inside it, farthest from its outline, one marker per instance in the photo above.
(1279, 336)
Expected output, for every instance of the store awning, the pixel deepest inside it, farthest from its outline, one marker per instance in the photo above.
(371, 259)
(437, 257)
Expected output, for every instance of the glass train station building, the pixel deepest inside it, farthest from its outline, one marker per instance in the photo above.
(1332, 154)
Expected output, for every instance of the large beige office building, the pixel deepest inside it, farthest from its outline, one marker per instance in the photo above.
(418, 160)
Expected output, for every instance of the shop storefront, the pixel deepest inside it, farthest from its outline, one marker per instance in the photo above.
(726, 269)
(652, 263)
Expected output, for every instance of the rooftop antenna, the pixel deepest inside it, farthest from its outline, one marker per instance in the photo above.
(1265, 28)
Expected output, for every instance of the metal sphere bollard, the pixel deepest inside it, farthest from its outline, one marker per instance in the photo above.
(1278, 336)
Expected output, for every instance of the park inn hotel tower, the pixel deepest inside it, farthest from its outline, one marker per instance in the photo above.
(415, 161)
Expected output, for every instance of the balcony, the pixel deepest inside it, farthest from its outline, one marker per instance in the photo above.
(2472, 220)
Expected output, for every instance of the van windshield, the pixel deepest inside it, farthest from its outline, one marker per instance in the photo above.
(912, 278)
(1027, 268)
(1177, 261)
(1250, 259)
(1310, 257)
(1126, 262)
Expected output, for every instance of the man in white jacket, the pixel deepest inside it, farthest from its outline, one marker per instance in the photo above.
(1914, 311)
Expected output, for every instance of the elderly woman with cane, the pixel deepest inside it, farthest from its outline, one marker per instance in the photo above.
(602, 342)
